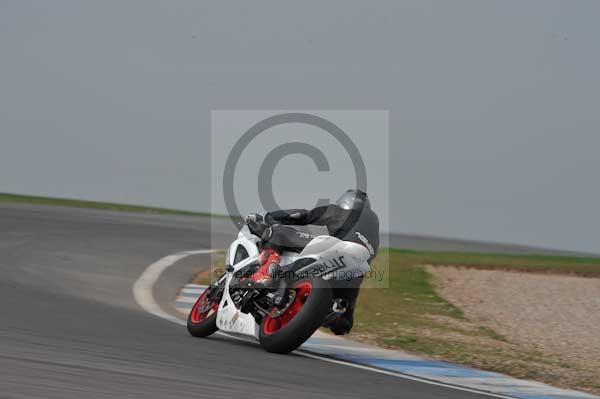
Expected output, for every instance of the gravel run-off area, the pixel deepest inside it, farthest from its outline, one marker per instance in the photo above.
(557, 315)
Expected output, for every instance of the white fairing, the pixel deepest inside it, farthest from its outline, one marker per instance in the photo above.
(230, 319)
(348, 258)
(326, 249)
(245, 239)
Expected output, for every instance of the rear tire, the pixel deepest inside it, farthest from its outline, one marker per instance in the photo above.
(201, 322)
(311, 305)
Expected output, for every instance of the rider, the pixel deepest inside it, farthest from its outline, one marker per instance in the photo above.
(349, 219)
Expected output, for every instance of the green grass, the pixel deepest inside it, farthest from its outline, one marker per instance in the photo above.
(16, 198)
(583, 266)
(209, 276)
(393, 315)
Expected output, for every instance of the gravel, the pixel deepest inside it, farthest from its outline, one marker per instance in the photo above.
(557, 315)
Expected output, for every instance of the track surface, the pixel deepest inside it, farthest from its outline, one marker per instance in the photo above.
(70, 327)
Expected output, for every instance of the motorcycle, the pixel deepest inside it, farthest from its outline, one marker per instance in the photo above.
(303, 297)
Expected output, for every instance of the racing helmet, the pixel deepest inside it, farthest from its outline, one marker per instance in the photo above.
(354, 200)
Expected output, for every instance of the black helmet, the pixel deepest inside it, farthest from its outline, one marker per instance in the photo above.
(354, 200)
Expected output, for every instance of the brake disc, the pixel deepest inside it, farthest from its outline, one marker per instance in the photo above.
(276, 312)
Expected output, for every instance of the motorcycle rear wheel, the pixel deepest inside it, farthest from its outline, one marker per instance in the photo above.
(303, 317)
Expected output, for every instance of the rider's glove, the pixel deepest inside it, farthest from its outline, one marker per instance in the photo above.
(254, 218)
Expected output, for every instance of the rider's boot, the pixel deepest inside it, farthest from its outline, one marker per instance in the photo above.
(348, 292)
(343, 323)
(269, 260)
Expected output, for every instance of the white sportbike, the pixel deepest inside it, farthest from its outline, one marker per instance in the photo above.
(303, 297)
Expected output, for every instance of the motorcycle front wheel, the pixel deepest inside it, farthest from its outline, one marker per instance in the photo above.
(289, 330)
(202, 319)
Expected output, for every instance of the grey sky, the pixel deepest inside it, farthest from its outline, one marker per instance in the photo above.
(493, 105)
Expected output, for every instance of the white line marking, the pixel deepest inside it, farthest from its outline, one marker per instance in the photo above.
(142, 292)
(196, 291)
(142, 288)
(187, 299)
(405, 376)
(196, 286)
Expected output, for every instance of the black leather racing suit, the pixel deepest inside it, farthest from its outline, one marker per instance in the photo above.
(361, 227)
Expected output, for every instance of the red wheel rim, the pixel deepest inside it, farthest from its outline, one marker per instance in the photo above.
(272, 325)
(202, 308)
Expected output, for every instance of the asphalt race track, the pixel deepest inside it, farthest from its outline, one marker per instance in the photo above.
(70, 327)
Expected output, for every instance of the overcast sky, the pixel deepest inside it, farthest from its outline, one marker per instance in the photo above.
(494, 106)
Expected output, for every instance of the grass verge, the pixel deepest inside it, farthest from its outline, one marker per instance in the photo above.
(29, 199)
(207, 277)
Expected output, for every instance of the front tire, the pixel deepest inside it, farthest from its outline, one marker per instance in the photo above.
(202, 319)
(306, 314)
